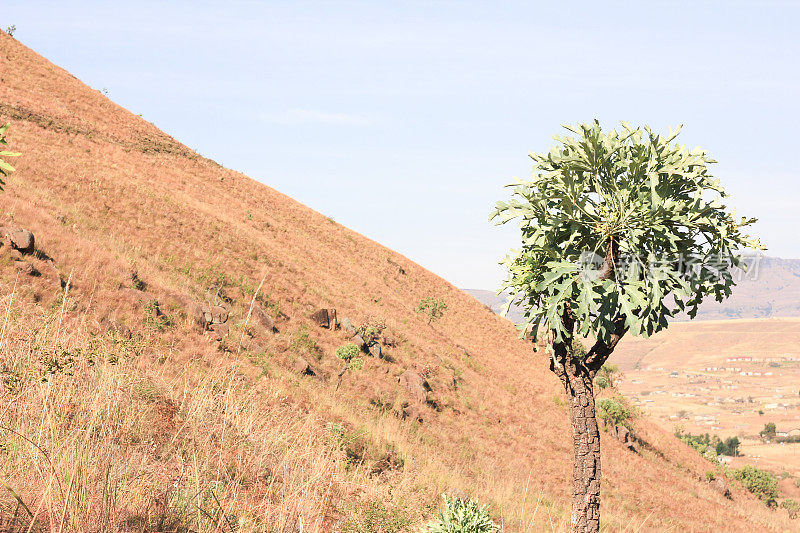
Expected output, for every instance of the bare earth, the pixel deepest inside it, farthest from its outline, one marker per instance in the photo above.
(726, 377)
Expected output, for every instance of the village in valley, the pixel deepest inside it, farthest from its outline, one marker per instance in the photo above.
(730, 378)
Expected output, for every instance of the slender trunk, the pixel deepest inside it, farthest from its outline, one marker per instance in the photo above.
(586, 448)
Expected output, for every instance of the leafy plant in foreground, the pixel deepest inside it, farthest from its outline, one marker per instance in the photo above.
(620, 231)
(462, 516)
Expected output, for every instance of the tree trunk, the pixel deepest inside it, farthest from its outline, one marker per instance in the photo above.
(577, 378)
(586, 448)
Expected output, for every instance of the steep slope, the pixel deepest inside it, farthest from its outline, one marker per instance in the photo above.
(119, 413)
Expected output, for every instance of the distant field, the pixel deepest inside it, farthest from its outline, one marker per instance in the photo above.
(726, 377)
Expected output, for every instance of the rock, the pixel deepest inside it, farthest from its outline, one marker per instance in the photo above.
(720, 486)
(624, 435)
(348, 326)
(321, 319)
(416, 385)
(200, 315)
(325, 318)
(22, 240)
(26, 268)
(375, 350)
(301, 366)
(219, 315)
(263, 318)
(219, 331)
(358, 341)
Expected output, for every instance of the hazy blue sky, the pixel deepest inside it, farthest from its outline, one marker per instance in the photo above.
(403, 120)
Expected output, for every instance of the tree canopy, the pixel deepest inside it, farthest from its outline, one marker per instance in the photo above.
(612, 224)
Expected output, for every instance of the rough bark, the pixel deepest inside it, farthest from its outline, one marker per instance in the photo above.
(577, 380)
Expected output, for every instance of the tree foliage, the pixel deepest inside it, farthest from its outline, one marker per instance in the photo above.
(432, 307)
(634, 202)
(761, 483)
(5, 168)
(769, 432)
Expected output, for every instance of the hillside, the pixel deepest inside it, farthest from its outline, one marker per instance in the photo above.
(772, 289)
(121, 413)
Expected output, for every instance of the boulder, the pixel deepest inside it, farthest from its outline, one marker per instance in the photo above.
(624, 435)
(22, 240)
(301, 366)
(325, 318)
(415, 384)
(348, 326)
(720, 486)
(26, 268)
(263, 318)
(375, 350)
(200, 315)
(321, 319)
(333, 321)
(219, 315)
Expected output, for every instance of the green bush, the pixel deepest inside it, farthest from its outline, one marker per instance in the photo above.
(615, 411)
(432, 307)
(761, 483)
(792, 506)
(347, 352)
(459, 516)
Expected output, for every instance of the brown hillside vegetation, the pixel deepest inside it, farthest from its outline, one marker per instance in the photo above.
(119, 413)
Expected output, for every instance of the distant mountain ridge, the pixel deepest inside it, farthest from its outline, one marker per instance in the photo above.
(773, 291)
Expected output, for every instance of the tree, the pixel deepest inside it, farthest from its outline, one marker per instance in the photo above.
(620, 230)
(5, 168)
(769, 431)
(432, 307)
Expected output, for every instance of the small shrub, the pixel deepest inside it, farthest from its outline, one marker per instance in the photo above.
(432, 307)
(10, 30)
(606, 376)
(459, 516)
(792, 506)
(154, 318)
(761, 483)
(710, 476)
(615, 411)
(347, 352)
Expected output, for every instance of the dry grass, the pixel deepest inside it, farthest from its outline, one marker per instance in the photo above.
(172, 431)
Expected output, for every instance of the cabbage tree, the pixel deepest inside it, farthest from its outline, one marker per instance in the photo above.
(620, 231)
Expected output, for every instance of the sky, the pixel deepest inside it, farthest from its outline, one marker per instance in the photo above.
(404, 120)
